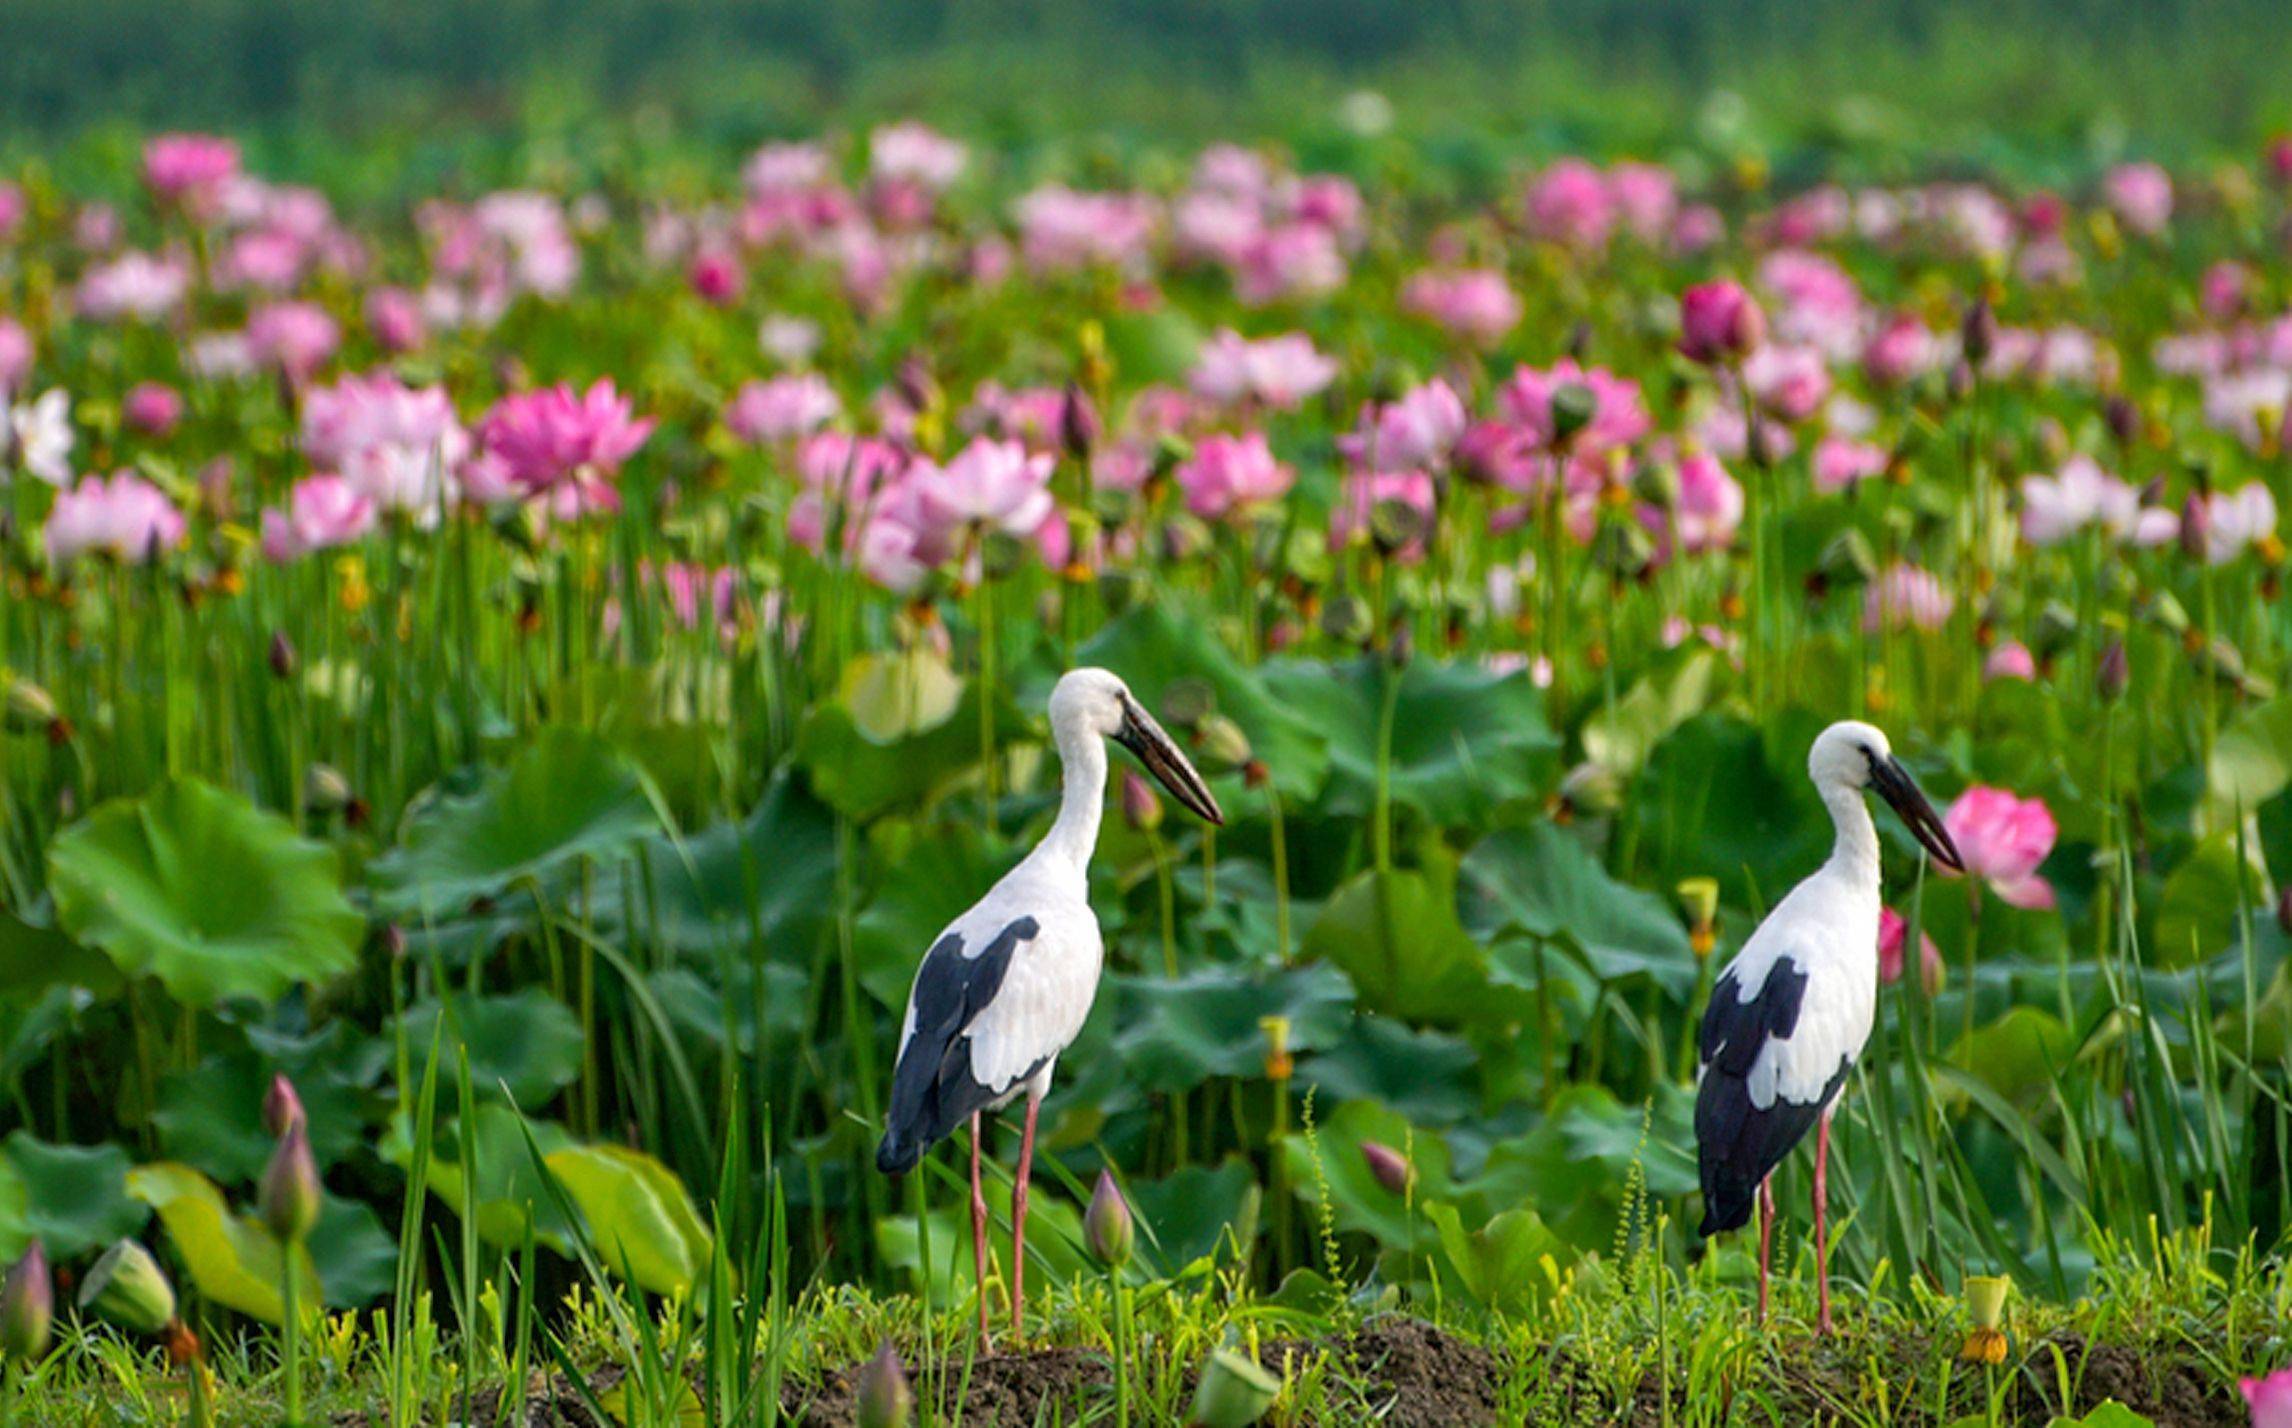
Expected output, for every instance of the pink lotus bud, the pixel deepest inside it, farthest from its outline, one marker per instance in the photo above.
(1107, 1228)
(1140, 808)
(289, 1195)
(881, 1396)
(152, 408)
(27, 1307)
(282, 1107)
(1391, 1168)
(1719, 320)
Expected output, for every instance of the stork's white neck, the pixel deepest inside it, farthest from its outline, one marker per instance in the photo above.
(1082, 798)
(1855, 854)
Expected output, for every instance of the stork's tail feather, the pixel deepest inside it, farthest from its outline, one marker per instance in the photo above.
(896, 1154)
(1724, 1211)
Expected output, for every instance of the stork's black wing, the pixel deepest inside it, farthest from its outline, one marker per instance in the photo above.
(1739, 1143)
(932, 1088)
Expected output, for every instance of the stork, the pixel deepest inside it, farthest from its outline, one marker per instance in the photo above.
(1793, 1010)
(1006, 987)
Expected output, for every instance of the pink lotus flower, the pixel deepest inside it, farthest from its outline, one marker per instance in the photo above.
(1840, 463)
(1893, 931)
(1061, 228)
(2011, 660)
(1619, 414)
(125, 517)
(152, 408)
(1646, 196)
(1788, 382)
(2270, 1399)
(139, 285)
(1419, 428)
(1905, 597)
(192, 169)
(782, 408)
(322, 512)
(1292, 261)
(1710, 504)
(394, 317)
(294, 337)
(2003, 840)
(2236, 520)
(1279, 372)
(15, 356)
(716, 276)
(2142, 195)
(1899, 350)
(401, 447)
(1718, 321)
(1475, 303)
(565, 446)
(989, 484)
(1569, 203)
(1227, 474)
(1367, 490)
(917, 154)
(2056, 508)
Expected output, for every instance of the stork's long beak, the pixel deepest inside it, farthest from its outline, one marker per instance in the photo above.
(1162, 758)
(1895, 785)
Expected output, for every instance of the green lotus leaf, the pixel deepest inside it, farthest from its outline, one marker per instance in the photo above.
(1514, 1264)
(231, 1258)
(526, 1041)
(1542, 881)
(75, 1197)
(640, 1221)
(1331, 1159)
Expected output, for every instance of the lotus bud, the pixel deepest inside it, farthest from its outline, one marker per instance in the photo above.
(281, 655)
(2112, 675)
(1573, 407)
(1077, 423)
(1985, 1305)
(289, 1195)
(324, 789)
(881, 1396)
(1699, 904)
(1140, 808)
(31, 709)
(27, 1307)
(1188, 700)
(2168, 612)
(282, 1106)
(2124, 419)
(1233, 1393)
(1719, 321)
(1107, 1229)
(2196, 525)
(1978, 335)
(128, 1288)
(1221, 742)
(1391, 1168)
(1396, 525)
(916, 387)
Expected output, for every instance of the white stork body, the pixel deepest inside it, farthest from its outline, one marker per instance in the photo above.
(1007, 986)
(1793, 1010)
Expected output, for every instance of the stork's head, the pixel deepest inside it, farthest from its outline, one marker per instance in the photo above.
(1096, 701)
(1854, 755)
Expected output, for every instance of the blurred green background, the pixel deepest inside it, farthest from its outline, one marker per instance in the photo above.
(427, 90)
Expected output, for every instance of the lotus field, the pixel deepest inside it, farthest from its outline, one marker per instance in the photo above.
(503, 691)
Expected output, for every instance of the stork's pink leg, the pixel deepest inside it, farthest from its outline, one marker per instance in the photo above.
(978, 1229)
(1822, 1229)
(1766, 1238)
(1019, 1224)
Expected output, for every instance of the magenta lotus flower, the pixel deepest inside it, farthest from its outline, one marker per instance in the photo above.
(2141, 195)
(394, 317)
(2003, 839)
(989, 484)
(152, 408)
(782, 408)
(191, 169)
(1476, 304)
(1893, 932)
(294, 337)
(125, 517)
(716, 276)
(2270, 1399)
(1619, 414)
(1278, 372)
(1906, 597)
(564, 445)
(322, 512)
(1569, 203)
(1899, 350)
(1228, 474)
(1719, 321)
(2011, 660)
(15, 357)
(1841, 463)
(1710, 504)
(1418, 428)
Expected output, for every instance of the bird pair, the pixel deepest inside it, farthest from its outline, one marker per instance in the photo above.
(1007, 986)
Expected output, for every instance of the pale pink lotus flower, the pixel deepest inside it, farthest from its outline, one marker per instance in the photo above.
(1330, 202)
(566, 446)
(1475, 304)
(191, 169)
(1718, 321)
(1231, 474)
(322, 512)
(2011, 660)
(15, 356)
(1646, 197)
(1290, 262)
(267, 259)
(1366, 490)
(152, 408)
(1787, 382)
(1698, 228)
(219, 356)
(2003, 840)
(2237, 520)
(1569, 204)
(2270, 1399)
(2141, 195)
(401, 447)
(1061, 228)
(1816, 304)
(841, 473)
(2246, 402)
(134, 284)
(1216, 225)
(296, 338)
(1710, 504)
(126, 518)
(2056, 508)
(782, 408)
(2224, 288)
(988, 485)
(39, 436)
(1841, 463)
(785, 168)
(1816, 216)
(12, 209)
(789, 341)
(1278, 372)
(1418, 428)
(394, 317)
(1893, 931)
(1900, 349)
(97, 228)
(916, 153)
(1906, 597)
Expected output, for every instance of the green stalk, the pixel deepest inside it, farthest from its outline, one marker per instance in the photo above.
(293, 1332)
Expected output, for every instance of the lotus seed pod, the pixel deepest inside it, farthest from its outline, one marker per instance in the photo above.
(289, 1195)
(1107, 1228)
(1233, 1392)
(882, 1397)
(27, 1307)
(1222, 743)
(1573, 407)
(128, 1288)
(1188, 700)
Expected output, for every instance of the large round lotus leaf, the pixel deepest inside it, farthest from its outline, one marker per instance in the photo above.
(527, 1041)
(1177, 1032)
(1331, 1159)
(1542, 881)
(1190, 1211)
(1512, 1264)
(75, 1197)
(567, 794)
(232, 1260)
(34, 958)
(202, 890)
(640, 1221)
(511, 1198)
(211, 1115)
(356, 1259)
